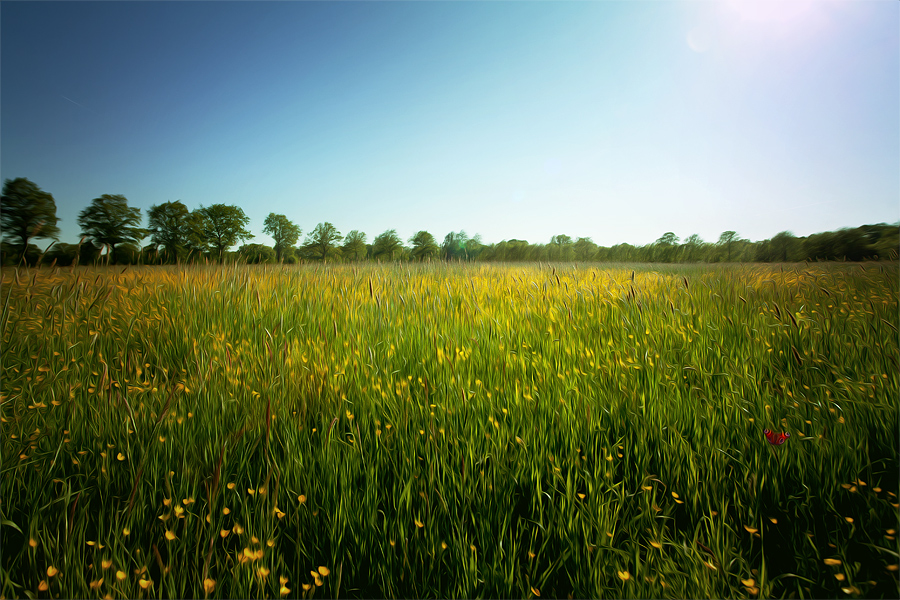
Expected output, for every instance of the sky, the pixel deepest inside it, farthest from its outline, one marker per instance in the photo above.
(618, 121)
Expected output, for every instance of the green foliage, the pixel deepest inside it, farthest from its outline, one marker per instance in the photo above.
(220, 227)
(255, 254)
(386, 246)
(354, 247)
(323, 242)
(26, 212)
(283, 231)
(170, 228)
(108, 221)
(424, 246)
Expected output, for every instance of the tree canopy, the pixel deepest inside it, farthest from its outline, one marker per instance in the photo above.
(323, 241)
(222, 226)
(424, 246)
(169, 225)
(283, 231)
(354, 246)
(386, 245)
(27, 212)
(109, 221)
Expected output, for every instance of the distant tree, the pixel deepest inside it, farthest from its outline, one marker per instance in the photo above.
(727, 240)
(664, 247)
(323, 241)
(354, 246)
(255, 254)
(783, 246)
(585, 249)
(386, 245)
(283, 231)
(692, 247)
(423, 246)
(108, 221)
(473, 247)
(196, 243)
(454, 245)
(26, 212)
(221, 227)
(168, 227)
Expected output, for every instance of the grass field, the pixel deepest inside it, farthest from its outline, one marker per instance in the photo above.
(450, 431)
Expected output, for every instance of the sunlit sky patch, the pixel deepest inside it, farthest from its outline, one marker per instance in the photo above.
(614, 120)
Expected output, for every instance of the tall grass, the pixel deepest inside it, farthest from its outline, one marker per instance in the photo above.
(448, 431)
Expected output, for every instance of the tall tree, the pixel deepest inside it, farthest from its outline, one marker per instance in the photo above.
(423, 246)
(783, 245)
(560, 247)
(585, 249)
(454, 245)
(665, 246)
(387, 244)
(168, 225)
(727, 240)
(222, 226)
(282, 231)
(108, 221)
(323, 241)
(354, 245)
(27, 212)
(692, 247)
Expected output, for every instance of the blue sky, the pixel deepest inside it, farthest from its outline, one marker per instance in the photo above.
(618, 121)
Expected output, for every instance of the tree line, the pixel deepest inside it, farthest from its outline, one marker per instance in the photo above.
(112, 233)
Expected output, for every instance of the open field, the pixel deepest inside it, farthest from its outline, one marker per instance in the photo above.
(452, 431)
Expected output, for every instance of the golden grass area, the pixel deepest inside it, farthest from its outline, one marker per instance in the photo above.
(450, 431)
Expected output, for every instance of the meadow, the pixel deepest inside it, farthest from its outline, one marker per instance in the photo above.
(450, 431)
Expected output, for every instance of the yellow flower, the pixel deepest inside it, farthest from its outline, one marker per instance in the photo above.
(178, 510)
(624, 575)
(535, 591)
(230, 486)
(284, 591)
(262, 572)
(120, 456)
(419, 524)
(301, 498)
(106, 563)
(224, 533)
(33, 543)
(251, 491)
(52, 571)
(209, 585)
(42, 586)
(656, 544)
(750, 529)
(170, 535)
(226, 510)
(238, 529)
(324, 571)
(282, 580)
(831, 562)
(120, 575)
(96, 584)
(748, 582)
(126, 532)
